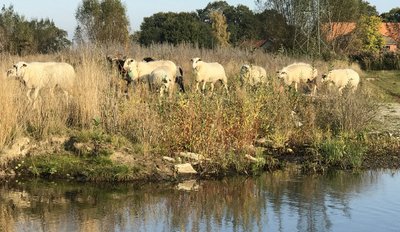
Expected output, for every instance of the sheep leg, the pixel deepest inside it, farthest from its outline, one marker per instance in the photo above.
(204, 86)
(212, 87)
(197, 87)
(162, 91)
(226, 87)
(28, 94)
(295, 86)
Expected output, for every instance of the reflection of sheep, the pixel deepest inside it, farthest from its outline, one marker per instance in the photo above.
(252, 75)
(297, 73)
(162, 79)
(38, 75)
(208, 72)
(342, 77)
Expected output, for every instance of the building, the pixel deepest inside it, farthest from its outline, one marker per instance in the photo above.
(389, 31)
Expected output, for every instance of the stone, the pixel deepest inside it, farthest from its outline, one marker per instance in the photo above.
(185, 169)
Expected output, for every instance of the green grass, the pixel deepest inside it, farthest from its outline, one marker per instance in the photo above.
(386, 84)
(69, 166)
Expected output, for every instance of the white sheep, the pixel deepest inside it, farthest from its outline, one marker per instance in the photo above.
(140, 70)
(297, 73)
(342, 77)
(252, 75)
(208, 72)
(162, 80)
(38, 75)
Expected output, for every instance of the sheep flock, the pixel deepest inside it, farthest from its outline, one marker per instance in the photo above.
(165, 77)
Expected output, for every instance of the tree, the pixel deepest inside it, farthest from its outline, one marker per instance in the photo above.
(220, 27)
(48, 37)
(368, 32)
(101, 22)
(307, 17)
(393, 16)
(175, 28)
(20, 36)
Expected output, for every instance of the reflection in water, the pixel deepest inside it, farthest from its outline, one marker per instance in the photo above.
(278, 201)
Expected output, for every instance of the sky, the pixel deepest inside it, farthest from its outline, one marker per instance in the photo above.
(62, 12)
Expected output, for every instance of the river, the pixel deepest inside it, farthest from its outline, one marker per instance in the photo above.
(279, 201)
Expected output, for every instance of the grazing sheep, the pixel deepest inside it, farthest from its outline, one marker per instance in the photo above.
(162, 80)
(139, 70)
(297, 73)
(208, 72)
(117, 62)
(342, 77)
(252, 75)
(38, 75)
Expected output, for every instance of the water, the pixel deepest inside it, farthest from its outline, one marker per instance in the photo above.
(281, 201)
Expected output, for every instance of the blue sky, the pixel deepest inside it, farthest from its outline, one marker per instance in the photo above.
(62, 12)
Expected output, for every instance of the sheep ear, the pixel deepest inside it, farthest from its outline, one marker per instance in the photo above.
(199, 60)
(24, 64)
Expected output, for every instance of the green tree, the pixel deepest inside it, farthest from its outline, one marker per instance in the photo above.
(175, 28)
(48, 37)
(368, 33)
(20, 36)
(393, 16)
(102, 21)
(242, 22)
(220, 27)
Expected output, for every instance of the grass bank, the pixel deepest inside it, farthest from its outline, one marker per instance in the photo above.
(107, 136)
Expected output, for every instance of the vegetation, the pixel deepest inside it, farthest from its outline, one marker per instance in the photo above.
(102, 21)
(22, 37)
(111, 136)
(223, 128)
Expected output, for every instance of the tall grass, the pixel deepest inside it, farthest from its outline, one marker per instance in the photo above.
(220, 126)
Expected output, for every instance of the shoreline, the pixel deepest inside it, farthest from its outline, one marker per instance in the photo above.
(27, 160)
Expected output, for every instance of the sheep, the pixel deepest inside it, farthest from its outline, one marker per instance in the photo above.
(252, 75)
(139, 70)
(118, 62)
(297, 73)
(208, 72)
(162, 80)
(38, 75)
(342, 77)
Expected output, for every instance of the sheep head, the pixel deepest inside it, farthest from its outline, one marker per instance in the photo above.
(194, 62)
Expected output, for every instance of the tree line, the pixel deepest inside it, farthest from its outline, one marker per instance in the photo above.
(293, 25)
(21, 36)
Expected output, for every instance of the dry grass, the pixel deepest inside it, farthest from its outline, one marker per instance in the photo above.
(220, 126)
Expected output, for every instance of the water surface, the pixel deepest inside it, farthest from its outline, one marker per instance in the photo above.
(280, 201)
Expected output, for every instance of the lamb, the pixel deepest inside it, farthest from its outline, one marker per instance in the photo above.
(342, 77)
(297, 73)
(252, 75)
(38, 75)
(208, 72)
(162, 80)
